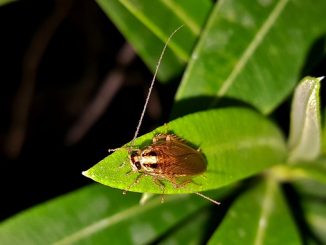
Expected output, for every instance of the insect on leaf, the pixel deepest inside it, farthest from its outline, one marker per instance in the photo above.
(235, 143)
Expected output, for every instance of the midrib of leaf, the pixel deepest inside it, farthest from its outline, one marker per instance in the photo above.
(247, 143)
(183, 16)
(114, 219)
(252, 47)
(156, 30)
(265, 212)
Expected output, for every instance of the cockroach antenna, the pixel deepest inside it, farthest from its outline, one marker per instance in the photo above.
(152, 84)
(150, 90)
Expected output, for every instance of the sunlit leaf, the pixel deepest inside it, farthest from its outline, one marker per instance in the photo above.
(236, 143)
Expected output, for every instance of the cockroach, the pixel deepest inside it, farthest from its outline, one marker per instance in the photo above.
(168, 157)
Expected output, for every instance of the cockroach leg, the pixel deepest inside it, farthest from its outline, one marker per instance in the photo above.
(133, 184)
(175, 183)
(159, 137)
(113, 150)
(207, 198)
(161, 185)
(122, 165)
(129, 172)
(183, 183)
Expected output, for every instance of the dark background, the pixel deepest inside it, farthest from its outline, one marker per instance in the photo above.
(67, 48)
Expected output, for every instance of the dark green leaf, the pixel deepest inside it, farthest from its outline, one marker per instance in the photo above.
(236, 142)
(192, 231)
(98, 215)
(148, 24)
(253, 51)
(258, 216)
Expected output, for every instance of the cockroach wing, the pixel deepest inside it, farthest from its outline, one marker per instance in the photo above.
(179, 159)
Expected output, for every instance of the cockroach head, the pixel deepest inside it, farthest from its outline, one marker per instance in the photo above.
(134, 157)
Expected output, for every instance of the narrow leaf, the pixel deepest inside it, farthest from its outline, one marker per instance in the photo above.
(259, 216)
(236, 143)
(250, 51)
(305, 129)
(324, 133)
(147, 25)
(98, 215)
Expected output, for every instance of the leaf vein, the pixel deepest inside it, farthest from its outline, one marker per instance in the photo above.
(252, 47)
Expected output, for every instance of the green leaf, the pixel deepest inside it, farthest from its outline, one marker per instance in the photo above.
(305, 129)
(258, 216)
(253, 51)
(196, 227)
(324, 134)
(4, 2)
(99, 215)
(315, 214)
(236, 143)
(192, 231)
(148, 24)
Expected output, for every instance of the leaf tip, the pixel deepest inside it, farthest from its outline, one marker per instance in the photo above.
(86, 174)
(320, 78)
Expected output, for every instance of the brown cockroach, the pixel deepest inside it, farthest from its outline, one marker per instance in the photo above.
(168, 157)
